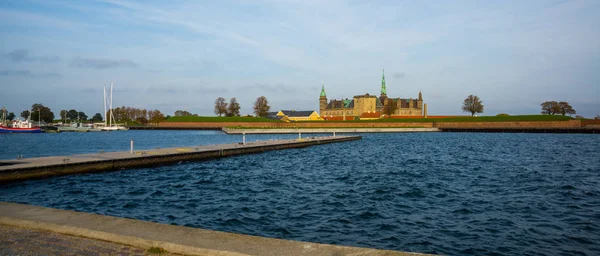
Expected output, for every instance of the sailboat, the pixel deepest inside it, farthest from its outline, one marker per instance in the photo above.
(18, 126)
(108, 121)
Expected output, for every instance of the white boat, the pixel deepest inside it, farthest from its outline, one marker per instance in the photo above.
(108, 121)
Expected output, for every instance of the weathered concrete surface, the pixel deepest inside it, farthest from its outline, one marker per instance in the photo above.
(33, 242)
(326, 130)
(174, 239)
(32, 168)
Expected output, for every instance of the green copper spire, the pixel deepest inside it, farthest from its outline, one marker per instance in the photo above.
(383, 89)
(323, 89)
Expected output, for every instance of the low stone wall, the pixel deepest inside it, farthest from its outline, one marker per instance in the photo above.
(324, 124)
(590, 123)
(518, 124)
(295, 124)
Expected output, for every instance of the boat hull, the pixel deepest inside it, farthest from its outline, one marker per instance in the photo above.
(4, 129)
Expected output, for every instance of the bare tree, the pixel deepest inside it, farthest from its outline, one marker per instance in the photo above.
(550, 108)
(220, 106)
(565, 108)
(233, 109)
(390, 107)
(261, 106)
(473, 105)
(182, 113)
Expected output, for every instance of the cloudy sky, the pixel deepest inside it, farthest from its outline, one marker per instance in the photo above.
(171, 55)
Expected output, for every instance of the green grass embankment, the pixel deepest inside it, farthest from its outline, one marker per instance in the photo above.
(218, 119)
(529, 118)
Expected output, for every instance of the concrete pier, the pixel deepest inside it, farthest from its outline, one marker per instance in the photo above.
(324, 130)
(42, 167)
(174, 239)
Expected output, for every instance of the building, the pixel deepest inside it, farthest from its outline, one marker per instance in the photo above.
(369, 105)
(293, 115)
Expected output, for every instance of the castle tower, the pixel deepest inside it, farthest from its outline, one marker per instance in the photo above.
(383, 89)
(420, 105)
(322, 100)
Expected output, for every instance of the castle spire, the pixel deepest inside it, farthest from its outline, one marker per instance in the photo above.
(323, 89)
(383, 89)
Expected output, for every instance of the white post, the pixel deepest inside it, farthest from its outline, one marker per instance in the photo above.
(299, 135)
(334, 134)
(244, 138)
(131, 147)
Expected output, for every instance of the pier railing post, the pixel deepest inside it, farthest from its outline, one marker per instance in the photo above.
(131, 147)
(299, 135)
(334, 134)
(244, 138)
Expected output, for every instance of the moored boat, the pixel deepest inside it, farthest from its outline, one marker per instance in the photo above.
(17, 126)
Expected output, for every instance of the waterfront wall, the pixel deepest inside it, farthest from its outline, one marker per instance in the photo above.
(517, 124)
(219, 125)
(433, 124)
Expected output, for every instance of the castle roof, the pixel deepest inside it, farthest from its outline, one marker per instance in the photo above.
(340, 104)
(295, 113)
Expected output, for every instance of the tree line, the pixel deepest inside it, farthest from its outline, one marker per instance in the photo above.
(553, 107)
(261, 107)
(143, 116)
(474, 105)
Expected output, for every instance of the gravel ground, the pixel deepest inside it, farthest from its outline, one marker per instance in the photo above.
(24, 241)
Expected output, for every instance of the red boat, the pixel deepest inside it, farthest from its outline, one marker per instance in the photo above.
(17, 126)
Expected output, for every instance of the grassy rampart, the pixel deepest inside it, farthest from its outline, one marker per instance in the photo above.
(218, 119)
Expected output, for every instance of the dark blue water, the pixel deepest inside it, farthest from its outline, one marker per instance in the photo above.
(448, 193)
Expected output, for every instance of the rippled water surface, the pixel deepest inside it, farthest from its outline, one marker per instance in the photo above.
(448, 193)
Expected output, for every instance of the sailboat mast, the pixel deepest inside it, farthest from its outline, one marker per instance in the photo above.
(111, 106)
(105, 113)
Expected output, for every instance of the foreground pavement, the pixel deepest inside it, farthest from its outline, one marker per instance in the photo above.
(26, 241)
(143, 234)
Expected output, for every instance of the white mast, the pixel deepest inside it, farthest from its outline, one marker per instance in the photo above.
(105, 113)
(111, 106)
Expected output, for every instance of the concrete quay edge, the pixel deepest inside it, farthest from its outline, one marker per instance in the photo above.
(43, 167)
(174, 239)
(323, 130)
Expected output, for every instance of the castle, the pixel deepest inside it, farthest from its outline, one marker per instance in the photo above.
(370, 106)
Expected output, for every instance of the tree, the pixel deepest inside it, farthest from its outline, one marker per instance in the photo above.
(597, 117)
(25, 114)
(82, 116)
(41, 112)
(182, 113)
(63, 114)
(565, 108)
(72, 114)
(473, 105)
(233, 108)
(97, 118)
(11, 116)
(390, 107)
(220, 106)
(261, 106)
(142, 120)
(550, 108)
(155, 116)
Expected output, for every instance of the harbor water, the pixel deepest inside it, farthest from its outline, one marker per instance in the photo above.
(446, 193)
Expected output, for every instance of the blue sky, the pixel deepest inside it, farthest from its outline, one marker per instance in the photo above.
(171, 55)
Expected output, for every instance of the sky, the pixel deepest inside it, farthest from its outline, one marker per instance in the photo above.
(171, 55)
